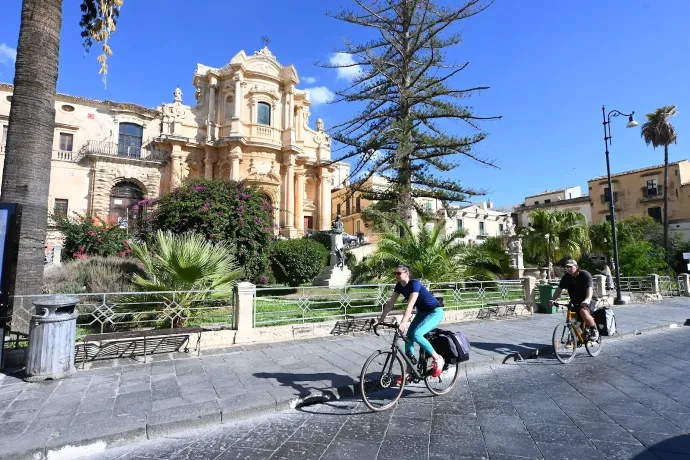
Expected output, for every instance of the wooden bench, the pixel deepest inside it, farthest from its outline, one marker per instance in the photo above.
(495, 307)
(114, 337)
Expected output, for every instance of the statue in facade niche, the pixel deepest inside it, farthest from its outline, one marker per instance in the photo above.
(319, 124)
(178, 95)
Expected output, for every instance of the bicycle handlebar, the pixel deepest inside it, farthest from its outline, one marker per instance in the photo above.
(392, 325)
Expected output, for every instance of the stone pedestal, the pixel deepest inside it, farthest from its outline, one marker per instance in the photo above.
(516, 257)
(333, 275)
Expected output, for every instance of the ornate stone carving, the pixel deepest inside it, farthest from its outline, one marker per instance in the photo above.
(319, 125)
(178, 95)
(263, 89)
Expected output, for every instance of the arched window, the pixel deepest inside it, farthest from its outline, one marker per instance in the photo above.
(124, 197)
(129, 140)
(264, 114)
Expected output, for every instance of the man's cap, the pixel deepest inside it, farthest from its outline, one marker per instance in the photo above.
(570, 263)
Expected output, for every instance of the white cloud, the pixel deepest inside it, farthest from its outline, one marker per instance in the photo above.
(344, 59)
(7, 54)
(320, 95)
(309, 80)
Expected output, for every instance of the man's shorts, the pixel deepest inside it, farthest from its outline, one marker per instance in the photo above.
(592, 308)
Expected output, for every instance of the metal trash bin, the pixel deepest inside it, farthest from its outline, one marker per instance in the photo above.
(52, 337)
(546, 292)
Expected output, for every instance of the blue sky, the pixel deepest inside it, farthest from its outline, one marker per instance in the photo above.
(550, 65)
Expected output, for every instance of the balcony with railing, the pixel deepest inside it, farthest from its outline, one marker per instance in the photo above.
(147, 152)
(264, 134)
(651, 194)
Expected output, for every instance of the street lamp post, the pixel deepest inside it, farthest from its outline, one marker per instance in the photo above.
(607, 140)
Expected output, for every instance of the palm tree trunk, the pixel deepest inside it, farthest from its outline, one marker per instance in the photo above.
(666, 204)
(26, 173)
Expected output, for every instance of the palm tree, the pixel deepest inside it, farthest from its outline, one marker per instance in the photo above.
(556, 234)
(434, 258)
(32, 121)
(659, 131)
(180, 263)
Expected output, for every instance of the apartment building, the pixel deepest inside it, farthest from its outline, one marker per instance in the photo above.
(565, 199)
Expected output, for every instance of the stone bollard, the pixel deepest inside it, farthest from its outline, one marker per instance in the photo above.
(685, 284)
(57, 255)
(654, 282)
(529, 287)
(52, 337)
(244, 311)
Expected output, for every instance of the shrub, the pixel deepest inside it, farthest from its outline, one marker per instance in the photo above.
(90, 236)
(296, 262)
(202, 272)
(223, 211)
(94, 274)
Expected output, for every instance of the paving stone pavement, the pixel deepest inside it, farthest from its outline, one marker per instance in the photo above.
(630, 402)
(124, 401)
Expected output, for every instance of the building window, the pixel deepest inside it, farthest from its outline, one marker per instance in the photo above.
(655, 213)
(500, 228)
(536, 202)
(459, 224)
(570, 195)
(427, 205)
(547, 201)
(264, 114)
(608, 217)
(60, 207)
(481, 228)
(359, 226)
(130, 140)
(652, 188)
(338, 207)
(347, 207)
(358, 205)
(66, 142)
(607, 195)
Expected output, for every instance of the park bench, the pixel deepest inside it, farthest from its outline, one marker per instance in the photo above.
(495, 307)
(114, 339)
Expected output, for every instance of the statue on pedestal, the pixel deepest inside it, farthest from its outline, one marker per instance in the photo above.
(337, 246)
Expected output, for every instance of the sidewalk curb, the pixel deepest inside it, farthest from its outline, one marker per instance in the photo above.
(216, 413)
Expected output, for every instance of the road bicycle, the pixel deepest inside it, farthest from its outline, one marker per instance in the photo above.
(383, 378)
(571, 335)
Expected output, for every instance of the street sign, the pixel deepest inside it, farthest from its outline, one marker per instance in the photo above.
(686, 255)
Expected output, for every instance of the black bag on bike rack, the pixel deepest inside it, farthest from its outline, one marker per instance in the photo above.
(454, 347)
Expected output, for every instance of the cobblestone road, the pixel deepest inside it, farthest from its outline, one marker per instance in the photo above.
(631, 402)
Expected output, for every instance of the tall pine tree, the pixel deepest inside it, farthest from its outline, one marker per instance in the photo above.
(404, 88)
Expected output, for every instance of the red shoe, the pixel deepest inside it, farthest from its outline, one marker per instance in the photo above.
(398, 381)
(437, 368)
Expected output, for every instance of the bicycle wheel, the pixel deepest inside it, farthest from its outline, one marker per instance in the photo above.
(443, 383)
(593, 347)
(377, 382)
(564, 343)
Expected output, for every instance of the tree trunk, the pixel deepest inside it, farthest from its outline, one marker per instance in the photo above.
(26, 174)
(666, 205)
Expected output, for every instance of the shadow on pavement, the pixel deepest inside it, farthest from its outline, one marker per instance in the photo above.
(678, 445)
(306, 384)
(509, 348)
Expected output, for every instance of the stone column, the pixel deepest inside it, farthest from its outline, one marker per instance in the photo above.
(208, 163)
(211, 124)
(599, 285)
(235, 157)
(529, 287)
(290, 194)
(325, 209)
(299, 200)
(176, 173)
(244, 311)
(237, 113)
(685, 285)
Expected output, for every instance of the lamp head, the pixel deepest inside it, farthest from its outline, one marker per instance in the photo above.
(631, 122)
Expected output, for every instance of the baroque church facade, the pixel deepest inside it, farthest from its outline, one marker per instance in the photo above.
(249, 122)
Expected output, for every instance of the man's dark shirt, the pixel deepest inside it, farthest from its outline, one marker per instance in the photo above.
(577, 286)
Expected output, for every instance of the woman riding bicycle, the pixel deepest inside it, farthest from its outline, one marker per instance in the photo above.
(429, 315)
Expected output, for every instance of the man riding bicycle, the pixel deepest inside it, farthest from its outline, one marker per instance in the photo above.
(429, 315)
(581, 291)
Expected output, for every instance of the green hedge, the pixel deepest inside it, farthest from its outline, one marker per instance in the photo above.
(296, 262)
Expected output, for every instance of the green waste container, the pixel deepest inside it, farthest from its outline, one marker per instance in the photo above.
(545, 294)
